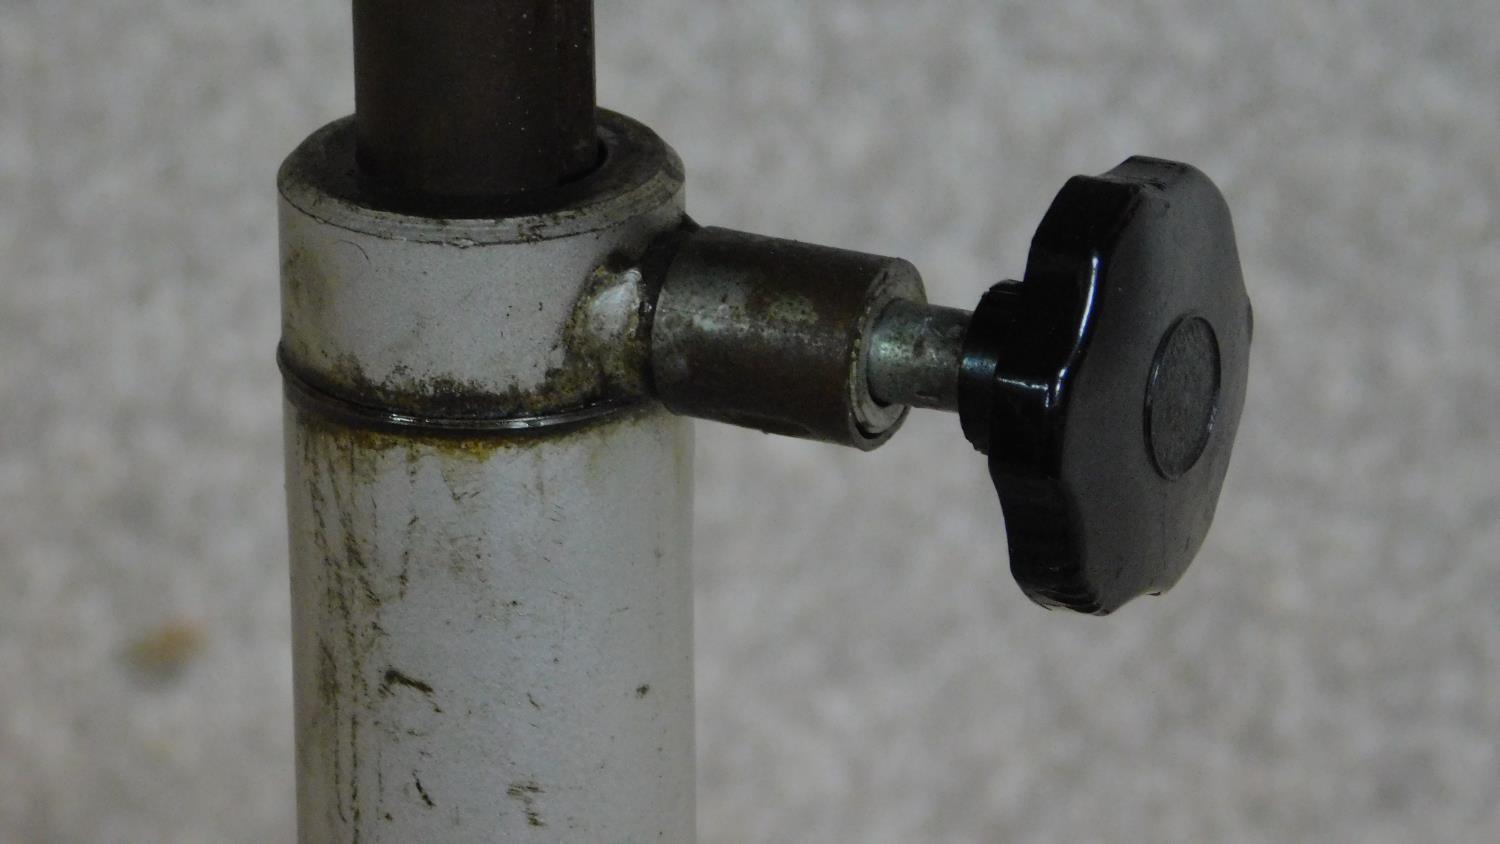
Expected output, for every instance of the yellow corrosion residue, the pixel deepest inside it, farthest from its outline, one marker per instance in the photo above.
(165, 651)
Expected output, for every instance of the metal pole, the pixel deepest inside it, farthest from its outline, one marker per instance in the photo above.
(470, 100)
(492, 637)
(489, 517)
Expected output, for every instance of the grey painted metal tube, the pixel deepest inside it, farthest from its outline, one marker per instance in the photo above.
(489, 519)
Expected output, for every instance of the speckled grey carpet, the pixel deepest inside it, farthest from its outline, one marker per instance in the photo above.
(1330, 670)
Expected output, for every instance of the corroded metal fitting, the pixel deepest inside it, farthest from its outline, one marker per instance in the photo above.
(772, 334)
(552, 318)
(520, 321)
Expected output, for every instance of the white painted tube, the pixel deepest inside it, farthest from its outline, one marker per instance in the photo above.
(489, 520)
(493, 639)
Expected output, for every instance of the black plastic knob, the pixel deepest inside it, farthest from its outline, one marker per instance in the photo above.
(1107, 386)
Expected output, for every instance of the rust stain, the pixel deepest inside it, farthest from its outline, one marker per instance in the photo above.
(163, 652)
(394, 678)
(351, 597)
(341, 440)
(305, 281)
(527, 792)
(596, 366)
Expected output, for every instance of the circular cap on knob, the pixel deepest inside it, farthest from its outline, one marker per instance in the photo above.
(1106, 387)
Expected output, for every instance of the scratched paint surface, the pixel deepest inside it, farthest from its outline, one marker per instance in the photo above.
(493, 638)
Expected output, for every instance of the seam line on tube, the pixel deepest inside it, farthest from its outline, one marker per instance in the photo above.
(312, 399)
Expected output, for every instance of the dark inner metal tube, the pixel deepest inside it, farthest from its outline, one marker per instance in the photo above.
(474, 100)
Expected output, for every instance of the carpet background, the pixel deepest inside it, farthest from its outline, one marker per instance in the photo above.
(1330, 669)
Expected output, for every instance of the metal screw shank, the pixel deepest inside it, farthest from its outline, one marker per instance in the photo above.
(914, 355)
